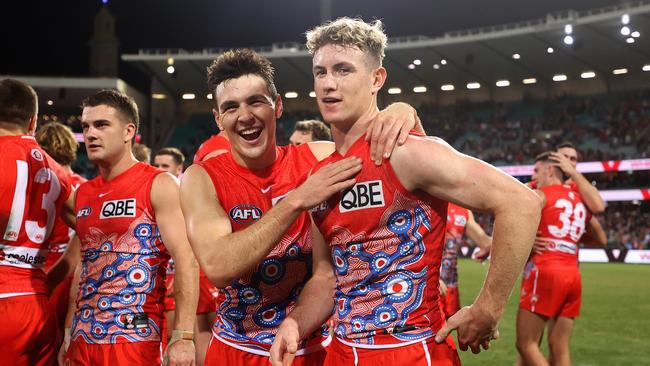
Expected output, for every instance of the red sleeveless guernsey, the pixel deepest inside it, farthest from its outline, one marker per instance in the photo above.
(33, 188)
(456, 222)
(563, 222)
(216, 142)
(386, 249)
(62, 233)
(251, 308)
(122, 288)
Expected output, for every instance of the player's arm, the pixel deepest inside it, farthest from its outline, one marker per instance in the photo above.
(67, 211)
(66, 264)
(165, 199)
(313, 308)
(435, 167)
(475, 232)
(225, 255)
(595, 234)
(589, 193)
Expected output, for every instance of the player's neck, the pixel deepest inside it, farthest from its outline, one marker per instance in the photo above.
(11, 129)
(346, 134)
(112, 168)
(259, 163)
(67, 169)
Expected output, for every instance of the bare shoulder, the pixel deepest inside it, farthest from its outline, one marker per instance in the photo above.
(321, 149)
(163, 185)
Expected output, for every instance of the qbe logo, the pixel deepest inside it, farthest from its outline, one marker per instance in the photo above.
(245, 214)
(362, 195)
(118, 208)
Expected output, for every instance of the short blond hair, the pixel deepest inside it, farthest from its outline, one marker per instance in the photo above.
(367, 37)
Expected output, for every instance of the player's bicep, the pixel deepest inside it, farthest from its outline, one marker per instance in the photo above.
(204, 216)
(445, 173)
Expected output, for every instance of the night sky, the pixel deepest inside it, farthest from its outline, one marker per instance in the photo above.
(50, 38)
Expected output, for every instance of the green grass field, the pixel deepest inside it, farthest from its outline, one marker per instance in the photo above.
(613, 328)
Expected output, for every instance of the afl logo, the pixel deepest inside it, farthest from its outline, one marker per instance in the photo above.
(84, 212)
(245, 214)
(37, 155)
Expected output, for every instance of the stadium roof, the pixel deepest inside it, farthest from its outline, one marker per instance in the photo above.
(482, 55)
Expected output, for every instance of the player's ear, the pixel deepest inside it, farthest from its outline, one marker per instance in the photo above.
(33, 123)
(378, 79)
(217, 119)
(129, 132)
(278, 107)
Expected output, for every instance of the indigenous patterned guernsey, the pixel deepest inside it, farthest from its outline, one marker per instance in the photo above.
(251, 308)
(123, 260)
(386, 247)
(456, 222)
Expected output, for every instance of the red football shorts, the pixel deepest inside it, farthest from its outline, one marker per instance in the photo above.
(28, 335)
(424, 353)
(221, 354)
(207, 296)
(119, 354)
(452, 301)
(59, 298)
(551, 291)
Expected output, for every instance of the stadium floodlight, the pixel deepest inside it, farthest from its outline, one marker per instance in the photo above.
(619, 71)
(588, 75)
(646, 67)
(550, 50)
(636, 34)
(529, 81)
(630, 40)
(170, 69)
(420, 89)
(443, 62)
(625, 30)
(625, 19)
(189, 96)
(411, 66)
(568, 40)
(473, 85)
(209, 96)
(568, 29)
(158, 96)
(394, 91)
(516, 56)
(312, 94)
(417, 62)
(436, 66)
(291, 95)
(503, 83)
(447, 87)
(559, 77)
(50, 102)
(170, 61)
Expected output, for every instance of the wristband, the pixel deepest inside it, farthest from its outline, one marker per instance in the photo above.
(180, 335)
